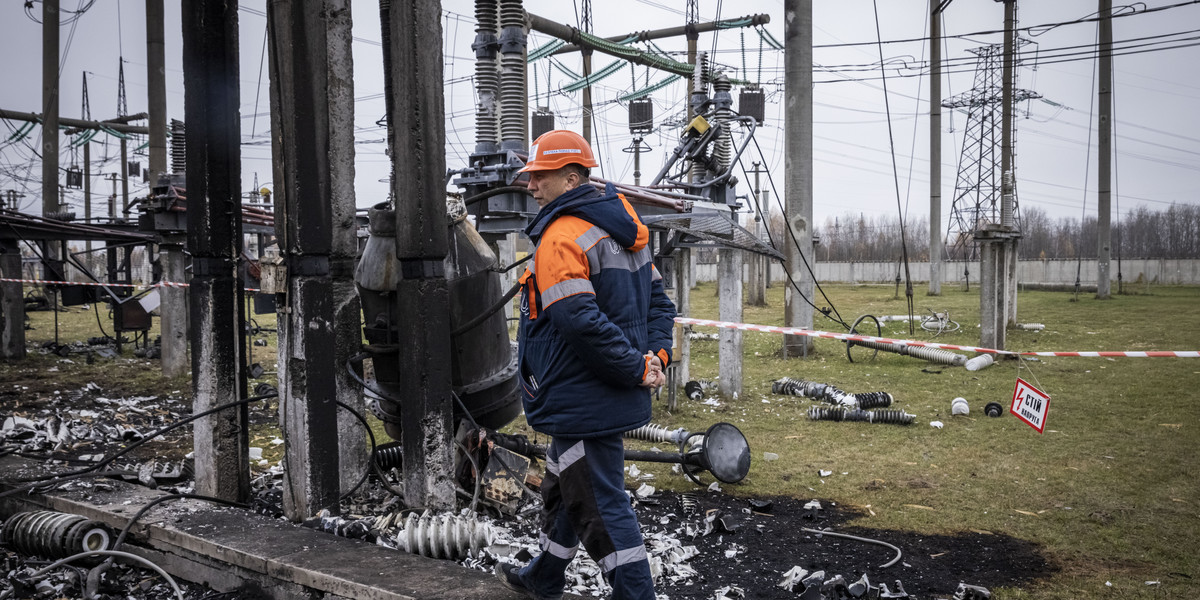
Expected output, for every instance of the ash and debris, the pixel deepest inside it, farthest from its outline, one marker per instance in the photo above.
(704, 544)
(708, 545)
(120, 582)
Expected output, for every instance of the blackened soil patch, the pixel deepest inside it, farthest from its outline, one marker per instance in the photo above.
(764, 546)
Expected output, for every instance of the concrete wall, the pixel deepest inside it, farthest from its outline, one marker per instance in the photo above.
(1150, 270)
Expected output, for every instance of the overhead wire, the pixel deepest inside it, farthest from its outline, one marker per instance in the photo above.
(908, 287)
(1087, 164)
(799, 251)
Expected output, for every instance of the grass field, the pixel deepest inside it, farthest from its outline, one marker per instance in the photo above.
(1109, 491)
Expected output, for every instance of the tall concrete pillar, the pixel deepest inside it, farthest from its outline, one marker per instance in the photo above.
(12, 302)
(729, 344)
(422, 243)
(935, 152)
(1104, 156)
(211, 101)
(174, 308)
(353, 452)
(173, 321)
(798, 169)
(997, 249)
(310, 73)
(682, 356)
(1013, 282)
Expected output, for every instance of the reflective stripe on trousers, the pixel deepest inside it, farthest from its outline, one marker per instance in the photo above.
(585, 504)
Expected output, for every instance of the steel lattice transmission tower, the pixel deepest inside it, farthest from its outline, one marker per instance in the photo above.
(977, 191)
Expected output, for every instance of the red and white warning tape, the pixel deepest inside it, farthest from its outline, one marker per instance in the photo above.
(868, 338)
(764, 328)
(91, 283)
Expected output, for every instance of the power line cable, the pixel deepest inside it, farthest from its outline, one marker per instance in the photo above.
(908, 288)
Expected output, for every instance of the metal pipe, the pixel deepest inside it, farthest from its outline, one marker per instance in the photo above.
(79, 123)
(659, 190)
(656, 34)
(573, 35)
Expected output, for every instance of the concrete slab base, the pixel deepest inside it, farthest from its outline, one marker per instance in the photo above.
(231, 549)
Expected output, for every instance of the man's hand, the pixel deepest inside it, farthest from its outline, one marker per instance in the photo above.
(655, 378)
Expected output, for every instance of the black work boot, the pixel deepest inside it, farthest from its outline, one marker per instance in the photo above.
(510, 577)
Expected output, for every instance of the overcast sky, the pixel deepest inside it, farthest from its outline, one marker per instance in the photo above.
(1156, 91)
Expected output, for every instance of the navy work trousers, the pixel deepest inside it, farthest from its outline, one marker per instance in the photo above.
(585, 502)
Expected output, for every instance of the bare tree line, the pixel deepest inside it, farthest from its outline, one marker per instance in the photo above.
(1143, 233)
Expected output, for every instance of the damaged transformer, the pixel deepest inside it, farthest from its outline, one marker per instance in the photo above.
(484, 365)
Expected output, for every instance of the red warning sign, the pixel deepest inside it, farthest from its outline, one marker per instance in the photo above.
(1031, 405)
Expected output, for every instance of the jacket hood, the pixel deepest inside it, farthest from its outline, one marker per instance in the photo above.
(608, 211)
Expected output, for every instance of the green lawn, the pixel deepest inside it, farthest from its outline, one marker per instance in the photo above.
(1109, 491)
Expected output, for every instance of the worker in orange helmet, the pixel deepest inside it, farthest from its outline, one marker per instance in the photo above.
(594, 337)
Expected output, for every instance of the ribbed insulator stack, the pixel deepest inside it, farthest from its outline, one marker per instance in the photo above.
(841, 413)
(53, 534)
(797, 387)
(819, 391)
(443, 536)
(700, 75)
(873, 400)
(178, 147)
(723, 101)
(935, 355)
(513, 124)
(390, 456)
(657, 434)
(698, 170)
(487, 75)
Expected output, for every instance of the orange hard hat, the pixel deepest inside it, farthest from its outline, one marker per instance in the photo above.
(557, 149)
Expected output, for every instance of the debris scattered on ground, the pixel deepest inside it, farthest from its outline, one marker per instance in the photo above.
(702, 544)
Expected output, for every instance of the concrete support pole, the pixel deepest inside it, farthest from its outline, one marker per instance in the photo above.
(729, 343)
(422, 243)
(50, 58)
(124, 177)
(308, 315)
(682, 355)
(1006, 110)
(935, 152)
(173, 321)
(1104, 157)
(798, 169)
(353, 452)
(989, 333)
(758, 271)
(1010, 310)
(211, 100)
(156, 79)
(506, 253)
(756, 291)
(995, 273)
(174, 311)
(587, 97)
(12, 302)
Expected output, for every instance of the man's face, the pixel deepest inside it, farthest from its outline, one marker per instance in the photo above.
(548, 185)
